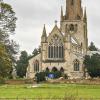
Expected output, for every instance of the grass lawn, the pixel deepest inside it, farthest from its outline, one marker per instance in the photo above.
(50, 90)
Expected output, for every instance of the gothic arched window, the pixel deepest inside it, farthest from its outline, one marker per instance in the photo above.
(47, 69)
(71, 27)
(61, 69)
(76, 65)
(54, 69)
(36, 66)
(49, 51)
(55, 48)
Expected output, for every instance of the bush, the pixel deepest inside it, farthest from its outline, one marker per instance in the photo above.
(65, 76)
(40, 77)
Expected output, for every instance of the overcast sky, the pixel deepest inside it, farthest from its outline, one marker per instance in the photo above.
(33, 14)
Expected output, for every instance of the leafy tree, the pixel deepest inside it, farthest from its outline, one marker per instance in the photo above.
(8, 48)
(92, 47)
(22, 64)
(7, 27)
(5, 62)
(92, 64)
(7, 18)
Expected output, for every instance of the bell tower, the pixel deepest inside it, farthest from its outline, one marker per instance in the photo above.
(74, 22)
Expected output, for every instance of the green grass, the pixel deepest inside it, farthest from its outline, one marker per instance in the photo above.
(50, 90)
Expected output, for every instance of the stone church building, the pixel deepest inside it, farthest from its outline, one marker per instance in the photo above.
(65, 47)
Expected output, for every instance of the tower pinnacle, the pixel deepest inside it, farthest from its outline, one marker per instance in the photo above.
(44, 32)
(44, 35)
(61, 18)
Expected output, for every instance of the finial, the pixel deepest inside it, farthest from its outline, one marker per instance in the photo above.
(56, 22)
(44, 25)
(44, 31)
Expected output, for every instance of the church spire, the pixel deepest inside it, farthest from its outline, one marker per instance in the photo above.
(73, 9)
(44, 32)
(44, 35)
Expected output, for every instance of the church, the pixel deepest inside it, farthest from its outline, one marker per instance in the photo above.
(65, 46)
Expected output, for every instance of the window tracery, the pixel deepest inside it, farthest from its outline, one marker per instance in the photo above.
(76, 65)
(55, 48)
(36, 66)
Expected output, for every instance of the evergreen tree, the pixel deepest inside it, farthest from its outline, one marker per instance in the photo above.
(92, 64)
(92, 47)
(22, 64)
(36, 51)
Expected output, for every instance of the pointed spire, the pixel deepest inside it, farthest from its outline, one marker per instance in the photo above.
(85, 15)
(44, 35)
(73, 9)
(44, 32)
(56, 22)
(61, 19)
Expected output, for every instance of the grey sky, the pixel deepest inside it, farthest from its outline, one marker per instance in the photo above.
(33, 14)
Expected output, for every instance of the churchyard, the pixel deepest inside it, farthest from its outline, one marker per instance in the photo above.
(89, 92)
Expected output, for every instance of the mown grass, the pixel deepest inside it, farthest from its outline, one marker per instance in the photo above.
(50, 91)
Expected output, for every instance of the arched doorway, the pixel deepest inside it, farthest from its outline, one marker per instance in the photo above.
(62, 70)
(54, 69)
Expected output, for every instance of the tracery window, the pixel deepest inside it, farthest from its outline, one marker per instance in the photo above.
(76, 65)
(55, 48)
(36, 66)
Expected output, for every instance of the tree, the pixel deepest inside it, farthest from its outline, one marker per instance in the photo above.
(92, 47)
(40, 77)
(22, 64)
(8, 48)
(7, 18)
(36, 51)
(7, 27)
(92, 64)
(5, 62)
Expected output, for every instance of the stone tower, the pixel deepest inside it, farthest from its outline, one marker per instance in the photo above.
(74, 23)
(44, 44)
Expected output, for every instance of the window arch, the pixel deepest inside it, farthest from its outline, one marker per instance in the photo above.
(47, 69)
(71, 27)
(36, 66)
(54, 69)
(62, 70)
(55, 48)
(76, 65)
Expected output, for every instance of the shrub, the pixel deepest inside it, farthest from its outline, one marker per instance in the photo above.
(65, 76)
(40, 77)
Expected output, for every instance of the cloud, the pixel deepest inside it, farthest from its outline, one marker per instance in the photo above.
(32, 14)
